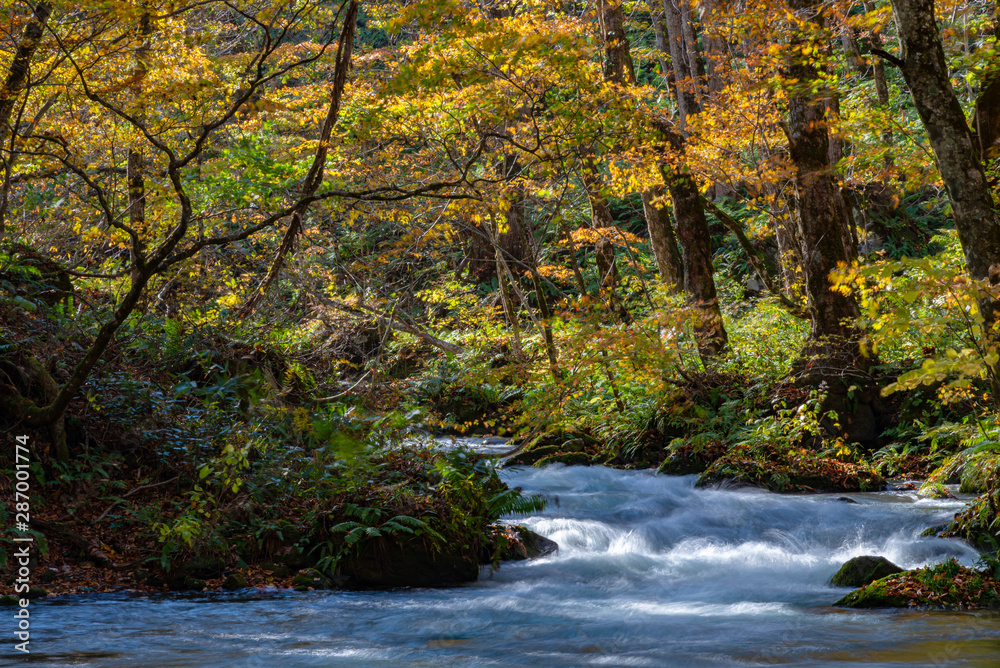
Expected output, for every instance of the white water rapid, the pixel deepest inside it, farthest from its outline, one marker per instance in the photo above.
(650, 572)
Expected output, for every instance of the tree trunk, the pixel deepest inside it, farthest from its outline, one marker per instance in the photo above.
(136, 164)
(986, 121)
(618, 65)
(692, 228)
(715, 48)
(662, 238)
(662, 46)
(821, 218)
(699, 281)
(687, 101)
(695, 63)
(926, 72)
(607, 270)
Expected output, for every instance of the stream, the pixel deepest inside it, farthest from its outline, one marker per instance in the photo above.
(651, 572)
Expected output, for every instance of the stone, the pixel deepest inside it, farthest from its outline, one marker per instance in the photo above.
(536, 545)
(9, 600)
(933, 489)
(310, 578)
(529, 457)
(277, 570)
(234, 581)
(519, 543)
(859, 571)
(411, 562)
(568, 458)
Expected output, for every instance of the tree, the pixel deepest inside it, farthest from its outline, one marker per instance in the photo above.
(13, 84)
(689, 214)
(821, 219)
(956, 152)
(179, 136)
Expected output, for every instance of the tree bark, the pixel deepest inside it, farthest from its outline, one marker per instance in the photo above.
(881, 88)
(833, 336)
(955, 150)
(607, 270)
(692, 228)
(687, 101)
(699, 280)
(662, 46)
(715, 48)
(618, 65)
(136, 165)
(986, 121)
(662, 238)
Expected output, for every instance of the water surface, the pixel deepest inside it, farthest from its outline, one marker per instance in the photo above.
(651, 572)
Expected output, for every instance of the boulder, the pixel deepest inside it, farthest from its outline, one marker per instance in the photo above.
(536, 545)
(411, 562)
(234, 581)
(310, 578)
(568, 458)
(518, 543)
(859, 571)
(529, 457)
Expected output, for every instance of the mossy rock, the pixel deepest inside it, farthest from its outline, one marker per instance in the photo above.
(567, 458)
(9, 600)
(519, 543)
(412, 562)
(310, 578)
(859, 571)
(536, 545)
(277, 570)
(947, 585)
(874, 595)
(234, 581)
(932, 489)
(529, 457)
(691, 455)
(790, 470)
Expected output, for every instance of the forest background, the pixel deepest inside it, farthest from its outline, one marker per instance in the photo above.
(249, 249)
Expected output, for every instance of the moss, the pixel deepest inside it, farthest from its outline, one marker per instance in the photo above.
(863, 570)
(790, 470)
(874, 595)
(568, 458)
(529, 457)
(947, 585)
(234, 581)
(693, 455)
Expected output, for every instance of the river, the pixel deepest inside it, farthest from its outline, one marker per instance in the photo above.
(650, 572)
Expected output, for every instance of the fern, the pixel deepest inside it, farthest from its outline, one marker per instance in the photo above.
(513, 502)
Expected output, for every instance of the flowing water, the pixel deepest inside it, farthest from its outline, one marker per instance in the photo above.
(650, 572)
